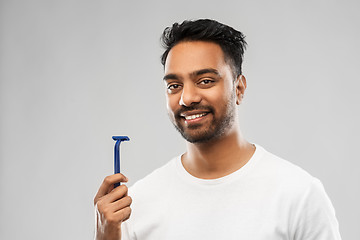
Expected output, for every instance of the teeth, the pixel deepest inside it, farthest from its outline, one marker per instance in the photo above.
(195, 116)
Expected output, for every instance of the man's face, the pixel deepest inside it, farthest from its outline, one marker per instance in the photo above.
(201, 95)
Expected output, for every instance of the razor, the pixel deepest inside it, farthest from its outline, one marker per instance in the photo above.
(118, 140)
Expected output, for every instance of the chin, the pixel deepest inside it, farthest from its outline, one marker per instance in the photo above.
(202, 137)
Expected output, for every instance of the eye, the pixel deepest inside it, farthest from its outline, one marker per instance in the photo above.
(206, 83)
(172, 88)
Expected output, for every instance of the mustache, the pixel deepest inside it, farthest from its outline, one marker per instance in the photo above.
(194, 108)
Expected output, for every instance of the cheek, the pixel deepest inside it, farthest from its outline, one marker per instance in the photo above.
(221, 100)
(217, 97)
(171, 104)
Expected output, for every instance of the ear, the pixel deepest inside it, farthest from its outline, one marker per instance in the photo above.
(240, 85)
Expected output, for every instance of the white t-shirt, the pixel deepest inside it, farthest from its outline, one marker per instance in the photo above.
(267, 199)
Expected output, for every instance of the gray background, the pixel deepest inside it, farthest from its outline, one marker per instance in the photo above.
(74, 73)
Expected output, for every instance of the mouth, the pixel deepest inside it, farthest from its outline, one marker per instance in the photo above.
(193, 116)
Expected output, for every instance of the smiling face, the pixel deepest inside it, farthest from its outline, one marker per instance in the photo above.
(201, 92)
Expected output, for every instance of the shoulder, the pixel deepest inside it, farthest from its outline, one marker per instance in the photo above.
(312, 213)
(272, 166)
(283, 176)
(155, 181)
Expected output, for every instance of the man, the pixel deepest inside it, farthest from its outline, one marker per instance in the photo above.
(222, 187)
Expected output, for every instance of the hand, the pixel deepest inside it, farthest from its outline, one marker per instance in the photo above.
(112, 206)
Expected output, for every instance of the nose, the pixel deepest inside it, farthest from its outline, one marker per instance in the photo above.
(189, 96)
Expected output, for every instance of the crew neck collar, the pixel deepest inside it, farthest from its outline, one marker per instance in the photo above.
(185, 175)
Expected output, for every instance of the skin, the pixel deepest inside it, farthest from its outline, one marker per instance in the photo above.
(198, 81)
(112, 206)
(190, 85)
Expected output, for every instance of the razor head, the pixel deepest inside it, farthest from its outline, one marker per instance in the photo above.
(121, 138)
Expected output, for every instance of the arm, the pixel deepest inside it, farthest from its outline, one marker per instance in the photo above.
(112, 207)
(316, 218)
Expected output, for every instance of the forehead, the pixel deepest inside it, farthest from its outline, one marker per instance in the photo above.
(186, 57)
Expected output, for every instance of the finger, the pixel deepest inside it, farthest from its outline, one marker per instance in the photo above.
(109, 209)
(115, 194)
(121, 203)
(123, 214)
(108, 185)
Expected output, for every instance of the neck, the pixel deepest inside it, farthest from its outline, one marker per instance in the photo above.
(218, 158)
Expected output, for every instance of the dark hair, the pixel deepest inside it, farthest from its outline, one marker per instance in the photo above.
(231, 41)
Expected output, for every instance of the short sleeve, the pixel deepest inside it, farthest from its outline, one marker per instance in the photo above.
(126, 233)
(315, 218)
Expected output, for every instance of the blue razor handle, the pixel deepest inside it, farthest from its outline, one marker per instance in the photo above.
(118, 140)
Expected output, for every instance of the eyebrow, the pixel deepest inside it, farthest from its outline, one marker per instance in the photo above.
(193, 74)
(204, 71)
(171, 76)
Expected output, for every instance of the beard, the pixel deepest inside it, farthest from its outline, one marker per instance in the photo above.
(221, 122)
